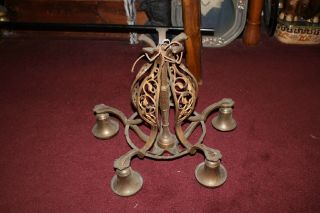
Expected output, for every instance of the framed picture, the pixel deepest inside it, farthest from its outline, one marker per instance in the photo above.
(226, 17)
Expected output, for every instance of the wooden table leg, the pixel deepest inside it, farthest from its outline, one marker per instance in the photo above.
(252, 32)
(191, 24)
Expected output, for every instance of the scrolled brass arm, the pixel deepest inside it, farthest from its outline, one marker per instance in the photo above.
(225, 102)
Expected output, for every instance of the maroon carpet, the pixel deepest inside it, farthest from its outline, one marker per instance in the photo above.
(50, 162)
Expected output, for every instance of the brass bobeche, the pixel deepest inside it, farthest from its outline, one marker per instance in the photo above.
(211, 173)
(224, 121)
(127, 182)
(105, 127)
(163, 85)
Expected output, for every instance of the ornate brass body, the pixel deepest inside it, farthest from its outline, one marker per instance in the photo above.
(163, 83)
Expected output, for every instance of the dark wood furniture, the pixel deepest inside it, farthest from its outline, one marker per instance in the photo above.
(112, 11)
(70, 11)
(106, 12)
(252, 31)
(191, 20)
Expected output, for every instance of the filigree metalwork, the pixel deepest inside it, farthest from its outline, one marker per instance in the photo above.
(162, 86)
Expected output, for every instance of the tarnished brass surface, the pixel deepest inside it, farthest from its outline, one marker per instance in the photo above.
(126, 182)
(105, 127)
(211, 173)
(224, 121)
(162, 86)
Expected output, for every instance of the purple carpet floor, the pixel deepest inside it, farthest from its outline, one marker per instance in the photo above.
(50, 162)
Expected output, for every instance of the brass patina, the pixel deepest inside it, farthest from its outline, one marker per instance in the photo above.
(163, 86)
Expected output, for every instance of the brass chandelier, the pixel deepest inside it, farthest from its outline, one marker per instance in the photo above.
(164, 85)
